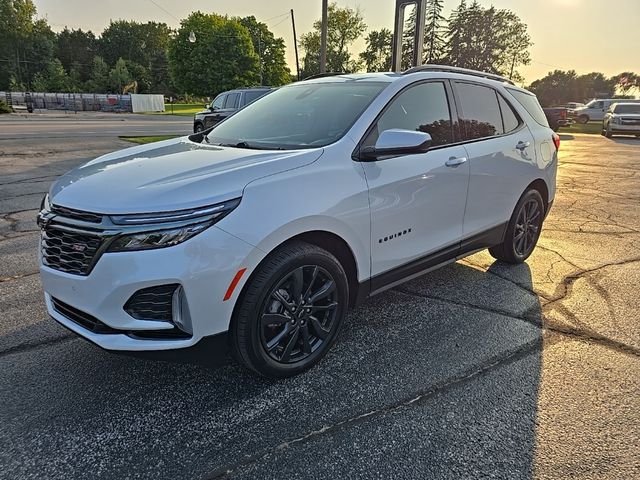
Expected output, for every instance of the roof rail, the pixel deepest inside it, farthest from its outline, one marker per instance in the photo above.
(464, 71)
(321, 75)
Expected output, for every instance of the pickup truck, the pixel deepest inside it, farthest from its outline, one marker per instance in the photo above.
(557, 117)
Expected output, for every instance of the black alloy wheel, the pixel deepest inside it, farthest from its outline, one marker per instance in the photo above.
(527, 228)
(523, 229)
(290, 311)
(299, 314)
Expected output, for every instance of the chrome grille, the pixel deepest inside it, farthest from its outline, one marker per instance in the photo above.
(69, 251)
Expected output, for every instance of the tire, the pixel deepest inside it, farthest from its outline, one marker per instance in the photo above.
(271, 333)
(520, 238)
(582, 119)
(198, 127)
(608, 133)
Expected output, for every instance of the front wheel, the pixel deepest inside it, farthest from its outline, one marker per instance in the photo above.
(523, 229)
(198, 128)
(290, 312)
(583, 119)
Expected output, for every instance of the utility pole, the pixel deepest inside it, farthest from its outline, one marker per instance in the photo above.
(323, 36)
(295, 44)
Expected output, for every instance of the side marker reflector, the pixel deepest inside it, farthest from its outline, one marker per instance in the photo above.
(233, 284)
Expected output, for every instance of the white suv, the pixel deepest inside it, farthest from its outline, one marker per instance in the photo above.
(262, 231)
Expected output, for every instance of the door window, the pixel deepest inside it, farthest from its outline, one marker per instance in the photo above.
(218, 103)
(232, 98)
(423, 107)
(480, 111)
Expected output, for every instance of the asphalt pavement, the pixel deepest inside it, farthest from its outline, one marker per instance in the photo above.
(477, 370)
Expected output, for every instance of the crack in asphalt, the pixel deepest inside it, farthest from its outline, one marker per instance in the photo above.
(417, 398)
(26, 347)
(17, 277)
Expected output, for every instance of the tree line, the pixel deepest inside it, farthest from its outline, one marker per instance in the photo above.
(207, 54)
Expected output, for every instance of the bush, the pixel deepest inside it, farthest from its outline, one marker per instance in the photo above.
(4, 108)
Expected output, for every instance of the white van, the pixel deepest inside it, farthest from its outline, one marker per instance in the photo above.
(596, 109)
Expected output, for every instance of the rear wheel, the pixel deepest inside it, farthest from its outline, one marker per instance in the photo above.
(523, 230)
(291, 311)
(583, 119)
(198, 128)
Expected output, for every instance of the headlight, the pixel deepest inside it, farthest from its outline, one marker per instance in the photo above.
(615, 120)
(160, 230)
(44, 204)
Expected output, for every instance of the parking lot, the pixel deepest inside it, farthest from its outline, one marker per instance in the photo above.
(477, 370)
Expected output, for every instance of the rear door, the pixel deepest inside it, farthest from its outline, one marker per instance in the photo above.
(501, 154)
(417, 201)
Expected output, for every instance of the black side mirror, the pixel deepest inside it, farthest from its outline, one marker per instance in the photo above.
(397, 142)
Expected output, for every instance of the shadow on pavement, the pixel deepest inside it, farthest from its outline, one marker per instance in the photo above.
(447, 377)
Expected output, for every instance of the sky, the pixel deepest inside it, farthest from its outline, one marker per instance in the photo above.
(583, 35)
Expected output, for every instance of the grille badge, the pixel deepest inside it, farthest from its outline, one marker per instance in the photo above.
(78, 247)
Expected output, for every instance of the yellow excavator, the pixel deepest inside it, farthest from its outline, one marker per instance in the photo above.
(132, 87)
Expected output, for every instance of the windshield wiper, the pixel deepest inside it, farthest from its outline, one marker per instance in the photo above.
(251, 146)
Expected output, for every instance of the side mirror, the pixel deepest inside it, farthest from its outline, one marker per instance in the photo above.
(397, 142)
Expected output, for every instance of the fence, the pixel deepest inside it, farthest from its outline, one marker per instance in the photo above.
(80, 102)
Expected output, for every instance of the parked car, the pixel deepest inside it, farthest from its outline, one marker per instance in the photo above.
(622, 118)
(557, 117)
(573, 105)
(225, 104)
(595, 109)
(262, 233)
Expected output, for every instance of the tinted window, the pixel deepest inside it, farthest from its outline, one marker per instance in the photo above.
(302, 115)
(480, 111)
(531, 105)
(423, 108)
(218, 102)
(231, 100)
(253, 94)
(510, 120)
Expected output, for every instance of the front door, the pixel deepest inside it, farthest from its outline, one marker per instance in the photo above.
(417, 201)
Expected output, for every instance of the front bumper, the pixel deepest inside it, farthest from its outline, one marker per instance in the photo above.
(622, 128)
(203, 266)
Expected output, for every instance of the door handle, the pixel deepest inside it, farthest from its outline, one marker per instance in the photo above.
(522, 145)
(455, 161)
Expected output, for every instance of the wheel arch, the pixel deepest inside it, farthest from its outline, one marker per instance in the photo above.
(541, 186)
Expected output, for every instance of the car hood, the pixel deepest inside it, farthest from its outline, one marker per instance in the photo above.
(169, 175)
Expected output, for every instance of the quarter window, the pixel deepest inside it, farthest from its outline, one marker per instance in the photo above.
(423, 107)
(510, 120)
(480, 111)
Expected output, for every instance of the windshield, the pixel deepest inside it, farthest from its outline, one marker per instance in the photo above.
(594, 104)
(627, 109)
(297, 116)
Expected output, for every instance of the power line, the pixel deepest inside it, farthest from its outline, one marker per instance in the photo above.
(165, 10)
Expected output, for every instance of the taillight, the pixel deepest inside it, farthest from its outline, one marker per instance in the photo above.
(563, 114)
(556, 141)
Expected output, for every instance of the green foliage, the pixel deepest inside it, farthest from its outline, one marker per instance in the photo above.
(271, 52)
(377, 55)
(98, 76)
(434, 35)
(4, 108)
(559, 87)
(26, 44)
(53, 78)
(119, 76)
(76, 49)
(221, 58)
(487, 39)
(345, 25)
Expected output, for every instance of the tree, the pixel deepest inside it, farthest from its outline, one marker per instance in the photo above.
(487, 39)
(76, 49)
(434, 40)
(26, 45)
(119, 76)
(99, 76)
(625, 82)
(377, 55)
(345, 25)
(53, 78)
(271, 52)
(221, 58)
(559, 87)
